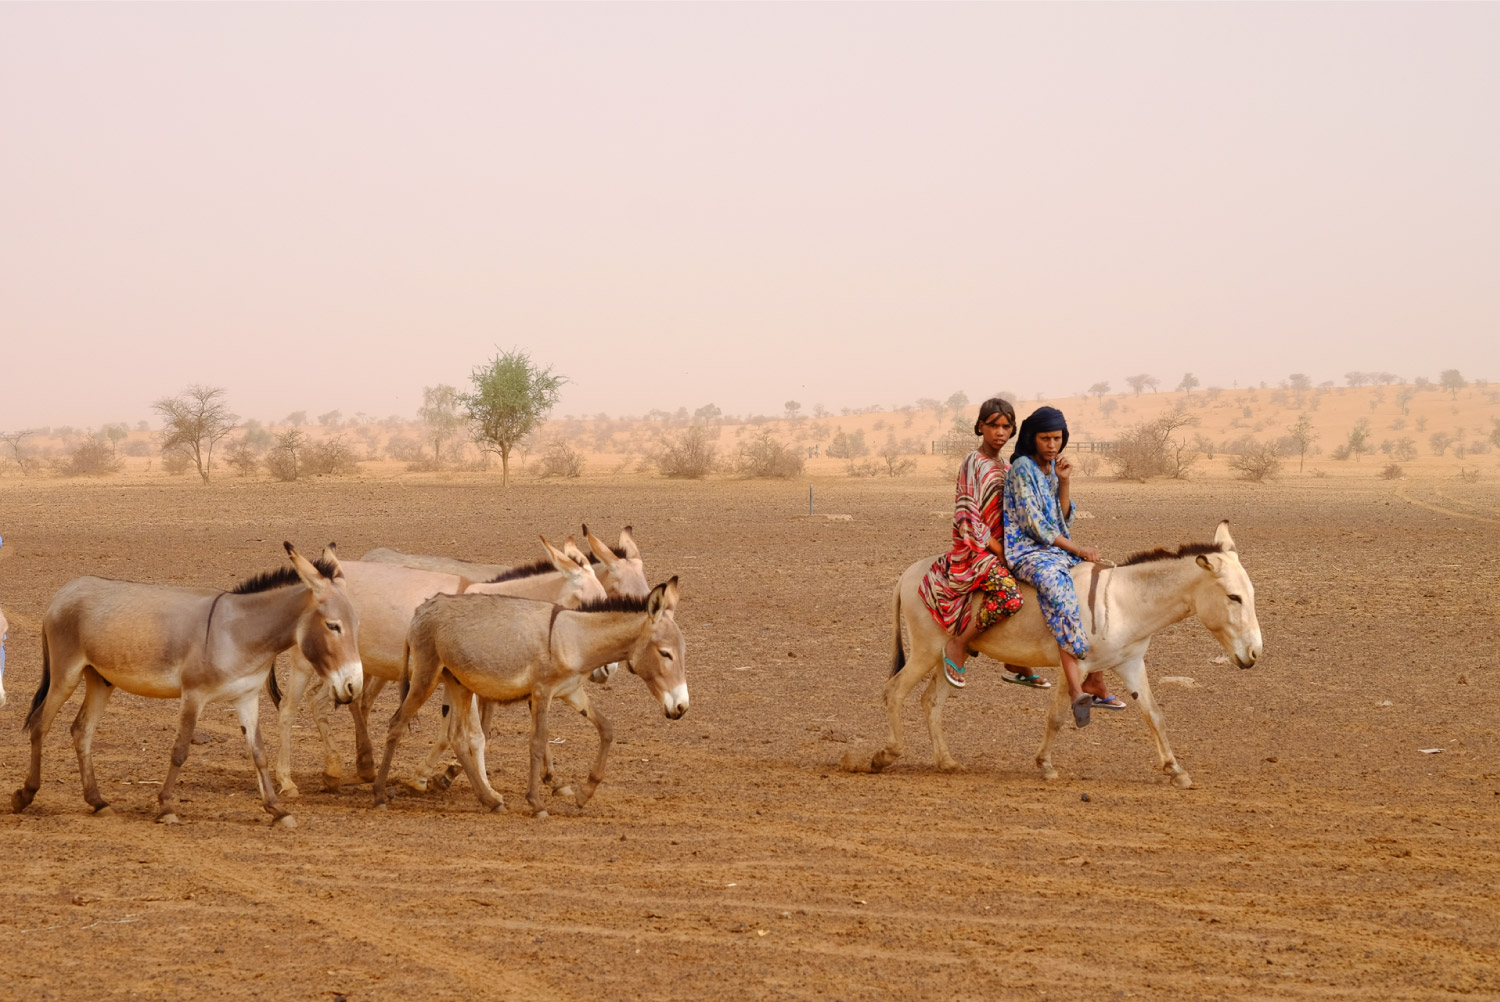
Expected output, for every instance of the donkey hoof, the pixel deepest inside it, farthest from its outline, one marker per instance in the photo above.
(949, 766)
(19, 801)
(289, 791)
(498, 808)
(285, 821)
(563, 791)
(540, 815)
(1182, 781)
(442, 781)
(332, 782)
(382, 806)
(168, 819)
(1049, 773)
(104, 811)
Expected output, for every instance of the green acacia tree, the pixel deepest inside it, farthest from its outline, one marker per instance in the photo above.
(511, 397)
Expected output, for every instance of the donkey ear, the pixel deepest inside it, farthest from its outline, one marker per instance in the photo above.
(627, 543)
(559, 559)
(1222, 537)
(331, 557)
(670, 596)
(310, 575)
(603, 552)
(572, 552)
(656, 602)
(1203, 562)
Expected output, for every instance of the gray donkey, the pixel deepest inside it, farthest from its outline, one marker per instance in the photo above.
(196, 644)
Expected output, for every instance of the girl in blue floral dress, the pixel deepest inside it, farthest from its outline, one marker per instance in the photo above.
(1040, 550)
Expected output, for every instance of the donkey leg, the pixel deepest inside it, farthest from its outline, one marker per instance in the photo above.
(419, 688)
(96, 694)
(932, 702)
(297, 678)
(1060, 711)
(897, 688)
(247, 708)
(1133, 674)
(436, 772)
(187, 719)
(468, 743)
(322, 710)
(579, 700)
(540, 703)
(364, 752)
(60, 679)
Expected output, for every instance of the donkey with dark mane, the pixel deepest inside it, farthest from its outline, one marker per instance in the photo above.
(1125, 607)
(507, 650)
(195, 644)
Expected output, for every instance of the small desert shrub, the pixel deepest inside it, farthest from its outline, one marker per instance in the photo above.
(332, 457)
(1152, 449)
(1342, 452)
(1469, 476)
(764, 456)
(559, 459)
(863, 468)
(1405, 450)
(242, 457)
(284, 461)
(894, 453)
(1393, 471)
(690, 456)
(90, 458)
(136, 447)
(848, 446)
(405, 449)
(1258, 462)
(1088, 463)
(175, 463)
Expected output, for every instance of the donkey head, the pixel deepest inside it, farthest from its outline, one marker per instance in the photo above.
(579, 583)
(326, 631)
(1224, 601)
(622, 577)
(658, 653)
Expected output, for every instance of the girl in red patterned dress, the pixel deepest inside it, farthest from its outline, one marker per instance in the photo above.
(968, 589)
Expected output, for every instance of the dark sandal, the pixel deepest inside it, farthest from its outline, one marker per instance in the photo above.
(1034, 681)
(1081, 710)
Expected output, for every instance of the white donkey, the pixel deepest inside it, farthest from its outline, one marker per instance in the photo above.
(194, 643)
(386, 596)
(509, 650)
(1123, 607)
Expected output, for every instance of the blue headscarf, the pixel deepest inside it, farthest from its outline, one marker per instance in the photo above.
(1040, 420)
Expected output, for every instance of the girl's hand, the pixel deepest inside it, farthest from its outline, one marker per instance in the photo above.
(1063, 466)
(1089, 553)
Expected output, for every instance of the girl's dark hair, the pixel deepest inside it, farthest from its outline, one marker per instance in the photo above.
(993, 406)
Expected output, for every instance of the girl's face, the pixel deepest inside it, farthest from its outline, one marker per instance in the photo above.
(996, 432)
(1048, 445)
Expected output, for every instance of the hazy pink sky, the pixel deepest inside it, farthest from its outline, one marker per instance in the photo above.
(323, 206)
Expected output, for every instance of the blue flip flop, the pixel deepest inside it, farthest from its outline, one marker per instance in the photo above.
(953, 673)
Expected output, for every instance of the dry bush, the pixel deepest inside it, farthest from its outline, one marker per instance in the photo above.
(1153, 449)
(242, 457)
(559, 459)
(894, 453)
(1088, 464)
(1393, 471)
(284, 460)
(90, 458)
(691, 456)
(764, 456)
(863, 468)
(848, 446)
(332, 457)
(176, 463)
(1468, 476)
(1259, 461)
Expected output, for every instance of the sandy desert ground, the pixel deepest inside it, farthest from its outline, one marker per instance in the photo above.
(1320, 855)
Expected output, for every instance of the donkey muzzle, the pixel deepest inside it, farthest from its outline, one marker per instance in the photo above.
(675, 702)
(347, 683)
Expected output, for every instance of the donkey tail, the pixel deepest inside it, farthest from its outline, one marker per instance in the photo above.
(898, 655)
(273, 686)
(41, 690)
(405, 669)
